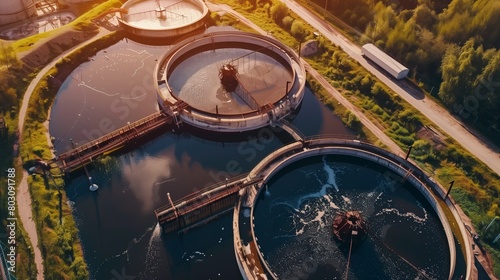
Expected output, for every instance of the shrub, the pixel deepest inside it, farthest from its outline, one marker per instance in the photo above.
(421, 150)
(298, 30)
(37, 150)
(278, 12)
(377, 110)
(286, 22)
(351, 121)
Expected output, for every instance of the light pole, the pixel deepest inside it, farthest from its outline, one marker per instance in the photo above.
(93, 187)
(409, 151)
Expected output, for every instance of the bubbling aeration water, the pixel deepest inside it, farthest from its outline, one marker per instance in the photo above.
(299, 217)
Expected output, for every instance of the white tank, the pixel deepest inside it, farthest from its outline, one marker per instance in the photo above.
(16, 10)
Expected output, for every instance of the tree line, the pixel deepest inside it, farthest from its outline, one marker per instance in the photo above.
(454, 49)
(10, 73)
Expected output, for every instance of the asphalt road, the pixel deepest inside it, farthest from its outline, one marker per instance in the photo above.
(485, 151)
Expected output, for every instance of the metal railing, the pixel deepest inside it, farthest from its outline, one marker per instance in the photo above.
(4, 269)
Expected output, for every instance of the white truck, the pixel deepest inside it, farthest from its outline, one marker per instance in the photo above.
(383, 60)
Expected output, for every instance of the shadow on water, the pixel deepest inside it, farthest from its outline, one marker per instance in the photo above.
(197, 253)
(95, 198)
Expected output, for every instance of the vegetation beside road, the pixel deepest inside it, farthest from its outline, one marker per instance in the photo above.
(476, 187)
(451, 47)
(348, 118)
(58, 236)
(15, 77)
(11, 85)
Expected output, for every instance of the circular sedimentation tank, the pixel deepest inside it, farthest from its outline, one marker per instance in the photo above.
(16, 10)
(162, 18)
(230, 81)
(327, 208)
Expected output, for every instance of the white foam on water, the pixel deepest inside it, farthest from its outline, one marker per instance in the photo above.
(411, 215)
(153, 250)
(320, 194)
(155, 235)
(332, 179)
(246, 213)
(195, 256)
(97, 90)
(346, 199)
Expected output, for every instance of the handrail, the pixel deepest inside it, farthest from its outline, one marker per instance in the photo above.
(120, 131)
(426, 185)
(193, 195)
(4, 266)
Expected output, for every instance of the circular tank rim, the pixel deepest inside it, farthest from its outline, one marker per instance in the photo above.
(175, 55)
(159, 31)
(235, 122)
(346, 147)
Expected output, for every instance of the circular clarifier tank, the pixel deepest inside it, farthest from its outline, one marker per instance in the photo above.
(230, 81)
(162, 18)
(340, 209)
(302, 215)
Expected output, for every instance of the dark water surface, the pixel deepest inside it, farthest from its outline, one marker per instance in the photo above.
(293, 223)
(117, 224)
(102, 95)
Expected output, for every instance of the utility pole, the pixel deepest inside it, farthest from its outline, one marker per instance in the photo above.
(449, 189)
(408, 153)
(326, 4)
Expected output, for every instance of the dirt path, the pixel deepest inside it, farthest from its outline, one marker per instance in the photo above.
(23, 195)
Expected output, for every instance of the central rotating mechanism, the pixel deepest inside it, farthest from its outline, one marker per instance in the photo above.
(257, 81)
(227, 76)
(349, 225)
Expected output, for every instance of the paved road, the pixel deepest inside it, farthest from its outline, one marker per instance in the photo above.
(333, 91)
(486, 152)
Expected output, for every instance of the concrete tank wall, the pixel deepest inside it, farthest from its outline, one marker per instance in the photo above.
(356, 149)
(16, 10)
(69, 2)
(232, 123)
(167, 32)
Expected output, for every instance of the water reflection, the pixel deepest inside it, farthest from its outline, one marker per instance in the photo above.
(144, 175)
(115, 87)
(117, 226)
